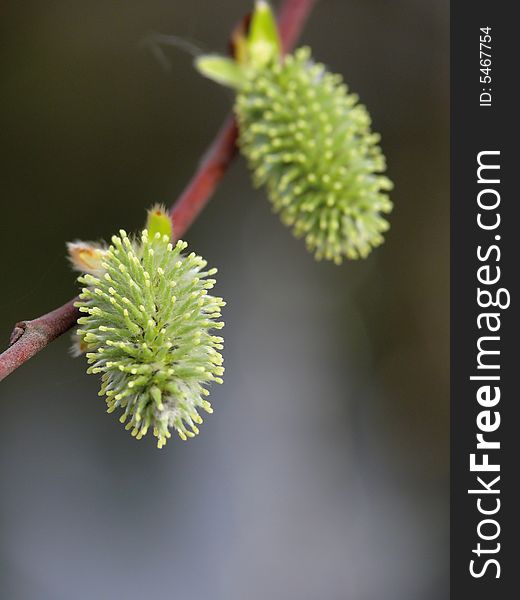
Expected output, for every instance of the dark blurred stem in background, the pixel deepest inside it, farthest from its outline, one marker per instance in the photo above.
(29, 337)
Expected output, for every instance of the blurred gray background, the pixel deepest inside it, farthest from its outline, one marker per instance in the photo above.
(323, 473)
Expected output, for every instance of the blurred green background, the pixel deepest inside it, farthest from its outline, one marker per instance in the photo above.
(323, 472)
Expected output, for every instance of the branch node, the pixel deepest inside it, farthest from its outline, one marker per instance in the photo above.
(17, 332)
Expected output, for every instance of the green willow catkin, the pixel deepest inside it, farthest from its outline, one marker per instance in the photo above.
(147, 331)
(308, 140)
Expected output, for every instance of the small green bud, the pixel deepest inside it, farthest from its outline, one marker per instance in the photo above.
(263, 43)
(147, 329)
(159, 221)
(260, 47)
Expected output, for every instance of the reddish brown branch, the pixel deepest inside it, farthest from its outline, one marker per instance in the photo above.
(29, 337)
(291, 20)
(206, 179)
